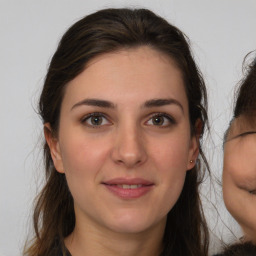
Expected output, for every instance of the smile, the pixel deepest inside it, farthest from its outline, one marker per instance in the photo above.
(128, 188)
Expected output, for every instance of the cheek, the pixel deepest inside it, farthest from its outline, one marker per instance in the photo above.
(237, 179)
(238, 168)
(171, 153)
(231, 174)
(83, 156)
(83, 160)
(170, 161)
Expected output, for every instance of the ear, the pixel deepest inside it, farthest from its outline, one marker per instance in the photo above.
(194, 145)
(53, 144)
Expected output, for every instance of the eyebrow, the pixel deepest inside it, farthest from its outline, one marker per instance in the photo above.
(147, 104)
(94, 102)
(162, 102)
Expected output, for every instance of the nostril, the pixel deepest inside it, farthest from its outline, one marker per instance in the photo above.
(129, 160)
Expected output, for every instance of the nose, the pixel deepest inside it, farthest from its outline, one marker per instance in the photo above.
(129, 147)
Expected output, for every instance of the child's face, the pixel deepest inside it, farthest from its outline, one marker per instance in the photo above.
(239, 174)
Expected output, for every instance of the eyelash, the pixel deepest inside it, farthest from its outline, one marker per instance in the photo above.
(169, 118)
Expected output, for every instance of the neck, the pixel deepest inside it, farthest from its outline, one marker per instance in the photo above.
(91, 240)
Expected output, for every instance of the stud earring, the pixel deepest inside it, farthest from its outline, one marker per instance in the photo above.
(191, 161)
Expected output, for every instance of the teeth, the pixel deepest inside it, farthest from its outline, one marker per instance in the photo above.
(126, 186)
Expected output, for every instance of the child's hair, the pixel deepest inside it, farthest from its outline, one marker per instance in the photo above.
(102, 32)
(239, 249)
(246, 95)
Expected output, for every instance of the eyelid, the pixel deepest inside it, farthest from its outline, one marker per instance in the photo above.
(247, 133)
(248, 188)
(240, 135)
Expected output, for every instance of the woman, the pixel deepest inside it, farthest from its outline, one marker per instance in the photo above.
(239, 173)
(123, 107)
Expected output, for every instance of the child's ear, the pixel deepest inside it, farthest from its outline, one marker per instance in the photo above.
(194, 144)
(54, 146)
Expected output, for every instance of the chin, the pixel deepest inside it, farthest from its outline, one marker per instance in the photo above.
(129, 223)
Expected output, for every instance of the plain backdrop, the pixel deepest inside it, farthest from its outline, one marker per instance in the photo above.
(222, 32)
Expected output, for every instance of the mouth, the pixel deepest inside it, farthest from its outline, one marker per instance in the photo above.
(128, 188)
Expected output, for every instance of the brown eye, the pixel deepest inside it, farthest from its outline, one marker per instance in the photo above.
(95, 119)
(162, 120)
(158, 120)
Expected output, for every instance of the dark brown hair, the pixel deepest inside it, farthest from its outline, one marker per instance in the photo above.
(102, 32)
(239, 249)
(246, 95)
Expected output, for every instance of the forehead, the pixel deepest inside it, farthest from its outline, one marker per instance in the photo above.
(141, 71)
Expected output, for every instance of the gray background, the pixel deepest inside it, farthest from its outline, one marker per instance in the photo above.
(222, 32)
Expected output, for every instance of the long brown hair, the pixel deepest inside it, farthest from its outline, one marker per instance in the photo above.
(107, 31)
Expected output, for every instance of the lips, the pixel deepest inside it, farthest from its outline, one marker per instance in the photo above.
(129, 188)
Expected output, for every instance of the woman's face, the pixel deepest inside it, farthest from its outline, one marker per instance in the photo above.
(239, 174)
(124, 140)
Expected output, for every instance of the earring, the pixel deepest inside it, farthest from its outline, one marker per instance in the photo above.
(191, 161)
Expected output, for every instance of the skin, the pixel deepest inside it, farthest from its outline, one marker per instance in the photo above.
(133, 138)
(239, 174)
